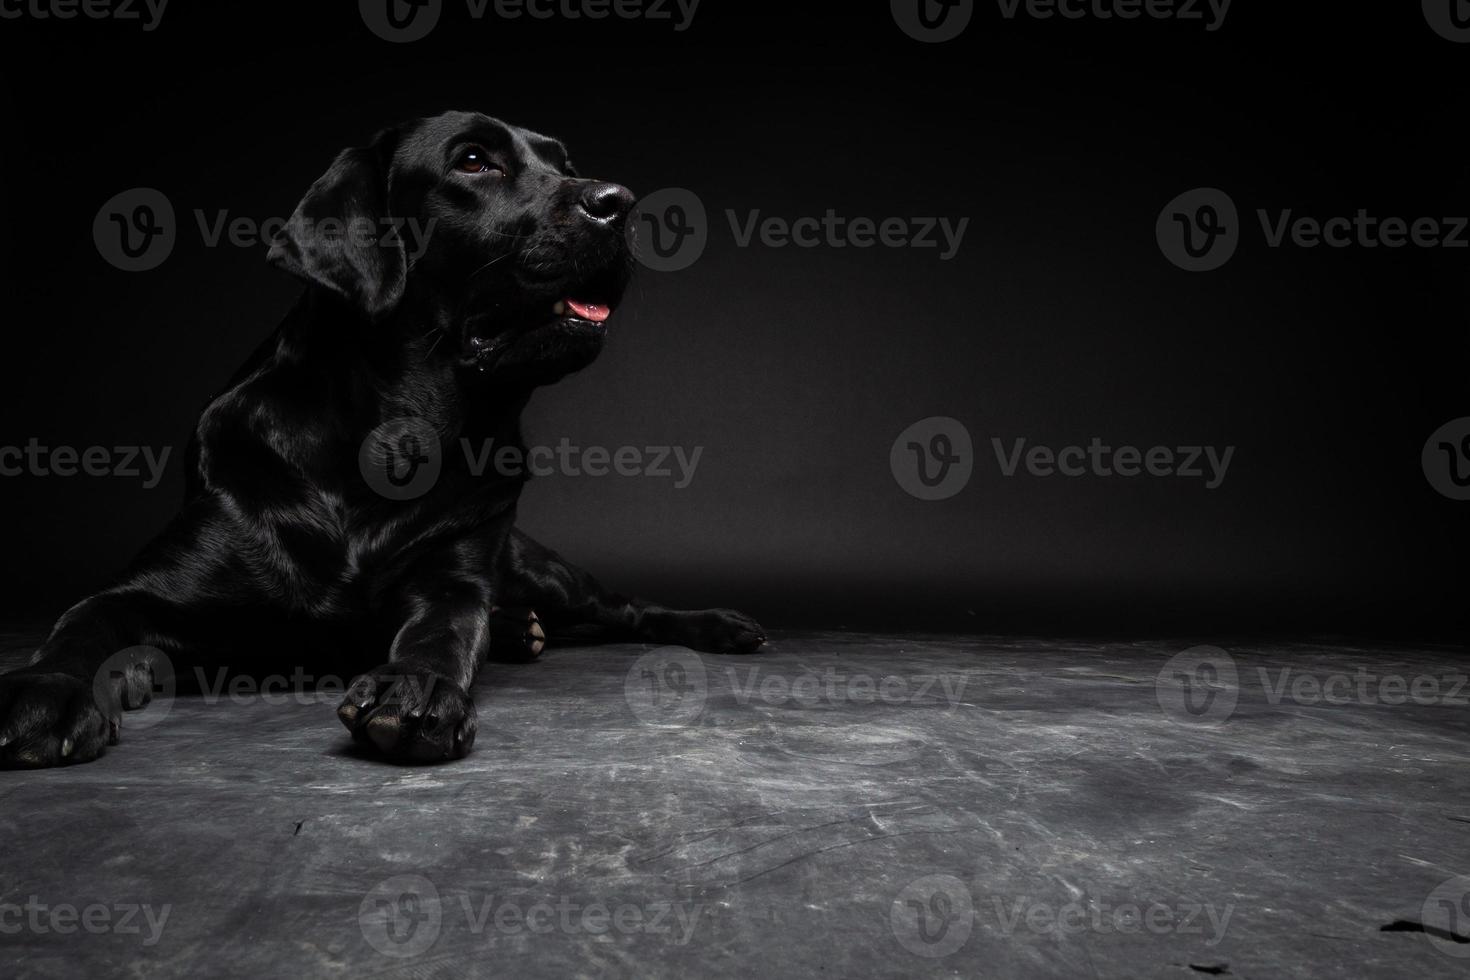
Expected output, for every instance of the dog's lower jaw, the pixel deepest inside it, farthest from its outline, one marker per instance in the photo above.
(537, 356)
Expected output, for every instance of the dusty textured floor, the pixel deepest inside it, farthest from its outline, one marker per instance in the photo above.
(844, 806)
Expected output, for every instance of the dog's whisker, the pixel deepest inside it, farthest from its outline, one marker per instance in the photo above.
(486, 266)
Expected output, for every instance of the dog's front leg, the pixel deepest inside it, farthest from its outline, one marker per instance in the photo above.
(417, 706)
(66, 706)
(109, 653)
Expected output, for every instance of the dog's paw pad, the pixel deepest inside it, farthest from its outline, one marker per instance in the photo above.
(516, 635)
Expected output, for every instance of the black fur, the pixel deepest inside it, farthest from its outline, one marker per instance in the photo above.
(284, 551)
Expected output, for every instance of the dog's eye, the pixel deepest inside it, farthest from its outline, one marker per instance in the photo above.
(474, 160)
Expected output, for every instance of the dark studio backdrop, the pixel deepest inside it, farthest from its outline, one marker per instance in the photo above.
(1059, 318)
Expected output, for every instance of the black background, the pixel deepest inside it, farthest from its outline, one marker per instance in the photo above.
(796, 369)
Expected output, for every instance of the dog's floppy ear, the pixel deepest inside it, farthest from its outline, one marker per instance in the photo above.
(342, 236)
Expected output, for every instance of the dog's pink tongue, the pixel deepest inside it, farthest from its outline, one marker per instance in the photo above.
(590, 311)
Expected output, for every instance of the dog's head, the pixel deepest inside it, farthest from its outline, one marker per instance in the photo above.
(483, 229)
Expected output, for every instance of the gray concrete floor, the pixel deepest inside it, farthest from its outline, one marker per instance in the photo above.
(844, 805)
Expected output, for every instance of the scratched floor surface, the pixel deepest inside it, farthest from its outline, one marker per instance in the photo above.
(845, 806)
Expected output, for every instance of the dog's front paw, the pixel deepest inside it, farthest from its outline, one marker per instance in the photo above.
(51, 719)
(410, 712)
(710, 631)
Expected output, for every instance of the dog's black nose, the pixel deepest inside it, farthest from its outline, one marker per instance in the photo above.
(606, 202)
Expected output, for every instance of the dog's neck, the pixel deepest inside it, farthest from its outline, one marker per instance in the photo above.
(407, 364)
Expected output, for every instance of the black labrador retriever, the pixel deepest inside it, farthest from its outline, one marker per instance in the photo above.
(286, 546)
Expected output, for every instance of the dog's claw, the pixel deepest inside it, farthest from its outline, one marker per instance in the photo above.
(422, 717)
